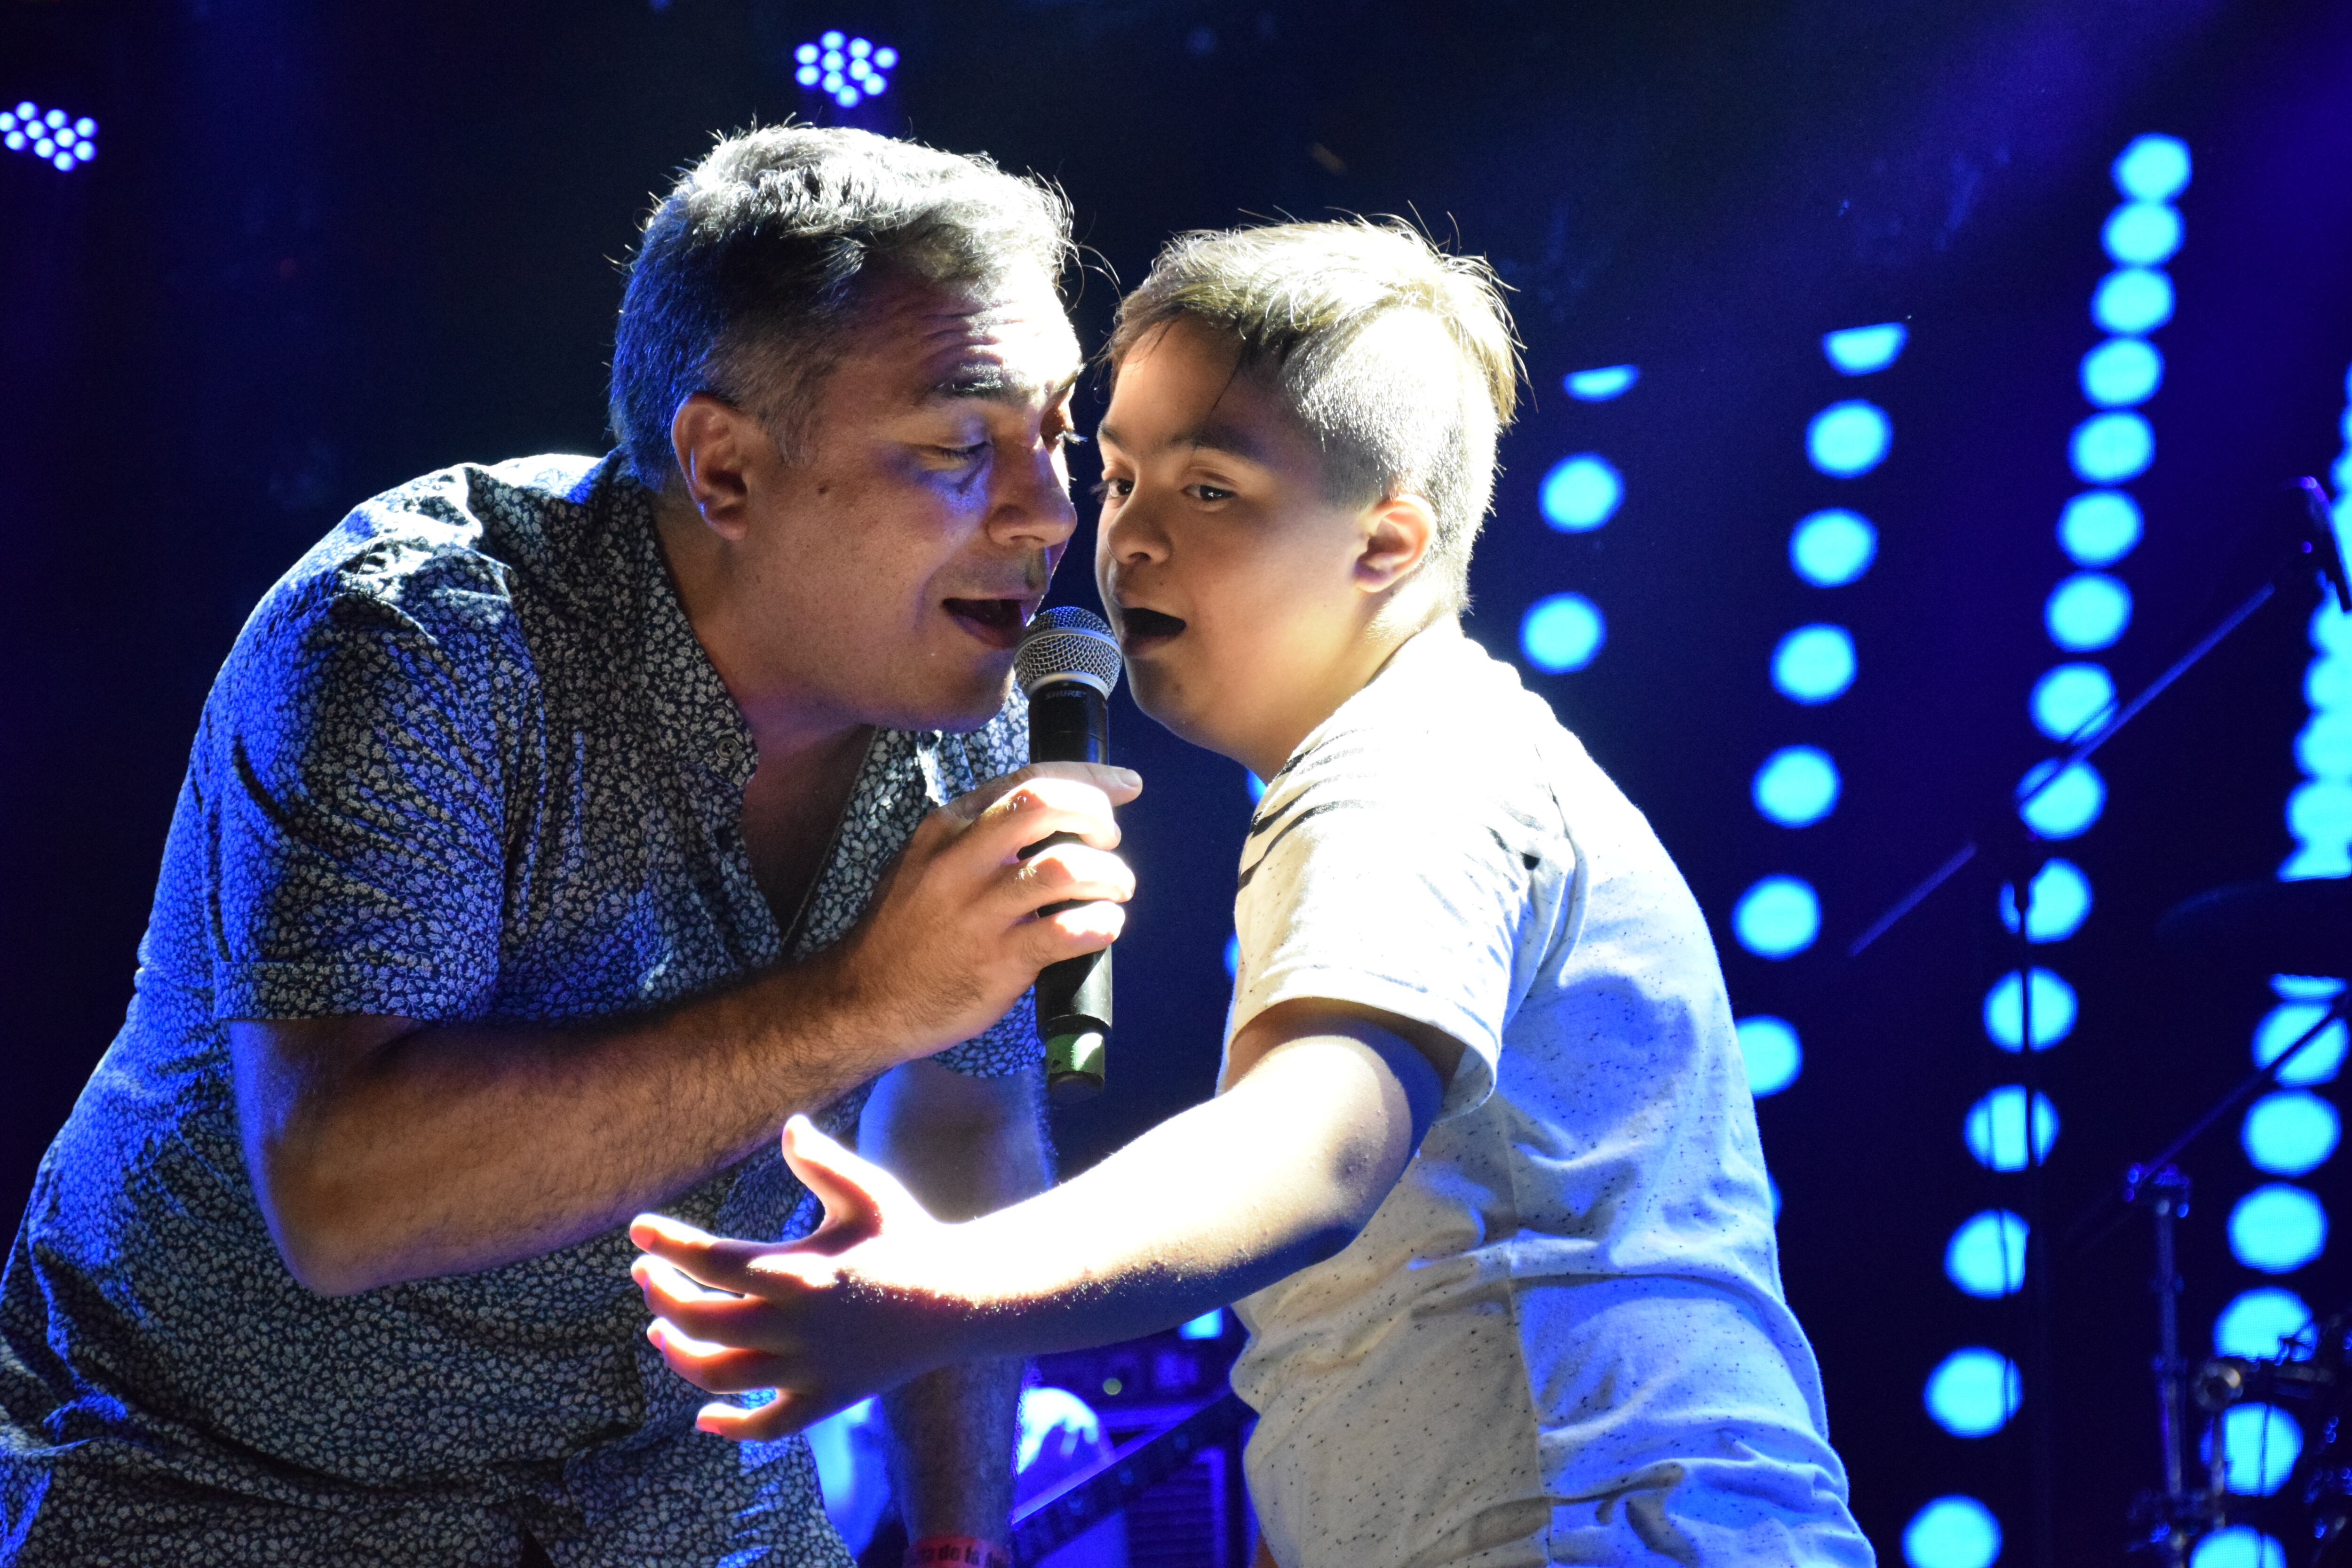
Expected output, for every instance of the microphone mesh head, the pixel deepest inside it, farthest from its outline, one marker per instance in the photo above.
(1068, 644)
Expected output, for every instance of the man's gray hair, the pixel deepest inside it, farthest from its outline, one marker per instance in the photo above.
(746, 285)
(1397, 358)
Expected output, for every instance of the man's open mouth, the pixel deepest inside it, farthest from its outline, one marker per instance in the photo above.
(1139, 626)
(997, 622)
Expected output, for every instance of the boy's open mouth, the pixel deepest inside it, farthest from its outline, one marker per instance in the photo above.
(996, 622)
(1141, 627)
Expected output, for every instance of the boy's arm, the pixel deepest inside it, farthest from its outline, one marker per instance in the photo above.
(1326, 1103)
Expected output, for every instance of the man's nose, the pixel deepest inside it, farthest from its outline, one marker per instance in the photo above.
(1031, 501)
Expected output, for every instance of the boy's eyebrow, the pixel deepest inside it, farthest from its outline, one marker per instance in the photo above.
(1213, 435)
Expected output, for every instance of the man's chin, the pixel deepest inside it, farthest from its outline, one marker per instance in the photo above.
(959, 713)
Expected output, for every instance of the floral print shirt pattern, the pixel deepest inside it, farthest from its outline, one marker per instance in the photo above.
(466, 761)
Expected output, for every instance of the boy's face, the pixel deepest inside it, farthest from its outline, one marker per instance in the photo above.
(1240, 590)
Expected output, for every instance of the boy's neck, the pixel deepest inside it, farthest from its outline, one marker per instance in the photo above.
(1356, 667)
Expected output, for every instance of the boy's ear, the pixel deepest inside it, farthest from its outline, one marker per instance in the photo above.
(1399, 533)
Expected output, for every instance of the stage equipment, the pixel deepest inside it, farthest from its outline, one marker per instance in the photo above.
(1067, 666)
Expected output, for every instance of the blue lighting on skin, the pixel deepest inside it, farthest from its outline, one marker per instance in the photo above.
(2068, 807)
(1208, 1325)
(2059, 898)
(1601, 384)
(2131, 300)
(2141, 233)
(2087, 611)
(2099, 527)
(1850, 438)
(1973, 1392)
(1797, 786)
(2260, 1323)
(2054, 1011)
(1580, 493)
(1986, 1255)
(2070, 698)
(2261, 1444)
(1774, 1058)
(1814, 663)
(1995, 1128)
(2290, 1132)
(2122, 373)
(2238, 1546)
(2109, 448)
(2152, 168)
(1858, 351)
(1952, 1533)
(1562, 632)
(1829, 548)
(1778, 918)
(2282, 1025)
(2277, 1229)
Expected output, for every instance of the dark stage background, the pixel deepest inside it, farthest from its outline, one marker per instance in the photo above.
(324, 248)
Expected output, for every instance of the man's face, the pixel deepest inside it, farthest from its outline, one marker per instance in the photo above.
(1230, 574)
(890, 572)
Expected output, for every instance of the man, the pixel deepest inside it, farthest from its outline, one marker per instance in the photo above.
(553, 832)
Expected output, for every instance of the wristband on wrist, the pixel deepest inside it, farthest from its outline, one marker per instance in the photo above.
(968, 1551)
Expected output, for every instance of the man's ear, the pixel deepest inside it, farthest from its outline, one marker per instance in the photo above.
(1399, 533)
(714, 443)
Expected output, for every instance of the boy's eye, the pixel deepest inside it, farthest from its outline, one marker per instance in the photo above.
(1108, 488)
(1211, 493)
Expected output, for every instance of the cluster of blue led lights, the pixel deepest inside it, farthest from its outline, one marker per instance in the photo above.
(848, 70)
(1564, 632)
(57, 139)
(1974, 1391)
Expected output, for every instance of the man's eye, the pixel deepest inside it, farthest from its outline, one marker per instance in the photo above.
(971, 454)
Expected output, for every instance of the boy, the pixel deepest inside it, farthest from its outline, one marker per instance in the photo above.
(1483, 1170)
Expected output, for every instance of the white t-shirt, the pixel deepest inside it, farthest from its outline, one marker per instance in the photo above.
(1561, 1338)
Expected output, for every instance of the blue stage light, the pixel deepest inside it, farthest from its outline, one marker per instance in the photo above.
(2131, 300)
(1797, 786)
(2277, 1229)
(1986, 1255)
(54, 137)
(2070, 698)
(1952, 1533)
(2260, 1323)
(2260, 1445)
(1848, 438)
(2290, 1132)
(2319, 814)
(1995, 1128)
(2317, 1062)
(2238, 1546)
(1768, 1047)
(2152, 168)
(1858, 351)
(2067, 806)
(1829, 548)
(2109, 448)
(1972, 1392)
(2087, 610)
(1580, 493)
(1232, 956)
(1561, 632)
(1777, 918)
(1813, 664)
(1601, 384)
(2142, 234)
(2099, 527)
(1208, 1325)
(2054, 1011)
(845, 69)
(2322, 747)
(2060, 900)
(2122, 373)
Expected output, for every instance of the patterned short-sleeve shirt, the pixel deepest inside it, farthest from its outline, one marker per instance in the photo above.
(466, 761)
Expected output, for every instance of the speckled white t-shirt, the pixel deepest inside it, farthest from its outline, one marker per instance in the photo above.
(1561, 1338)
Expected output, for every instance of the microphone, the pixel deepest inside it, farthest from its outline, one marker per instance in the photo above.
(1067, 663)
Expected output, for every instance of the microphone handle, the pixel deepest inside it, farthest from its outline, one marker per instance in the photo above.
(1069, 721)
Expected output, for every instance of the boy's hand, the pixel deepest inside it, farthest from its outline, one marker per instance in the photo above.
(820, 1321)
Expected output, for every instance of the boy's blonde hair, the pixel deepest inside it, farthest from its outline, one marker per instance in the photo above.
(1398, 359)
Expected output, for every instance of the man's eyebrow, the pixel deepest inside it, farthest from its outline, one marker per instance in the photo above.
(990, 382)
(1212, 435)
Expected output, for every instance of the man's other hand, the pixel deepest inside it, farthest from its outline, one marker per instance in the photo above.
(954, 934)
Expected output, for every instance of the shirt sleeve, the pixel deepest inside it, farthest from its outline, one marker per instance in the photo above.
(1011, 1045)
(356, 807)
(1404, 898)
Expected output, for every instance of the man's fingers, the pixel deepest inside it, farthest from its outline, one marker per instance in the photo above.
(1118, 784)
(1063, 873)
(1072, 934)
(713, 1259)
(1036, 809)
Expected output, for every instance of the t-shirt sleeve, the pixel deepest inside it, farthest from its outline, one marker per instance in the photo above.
(1011, 1045)
(356, 804)
(1399, 899)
